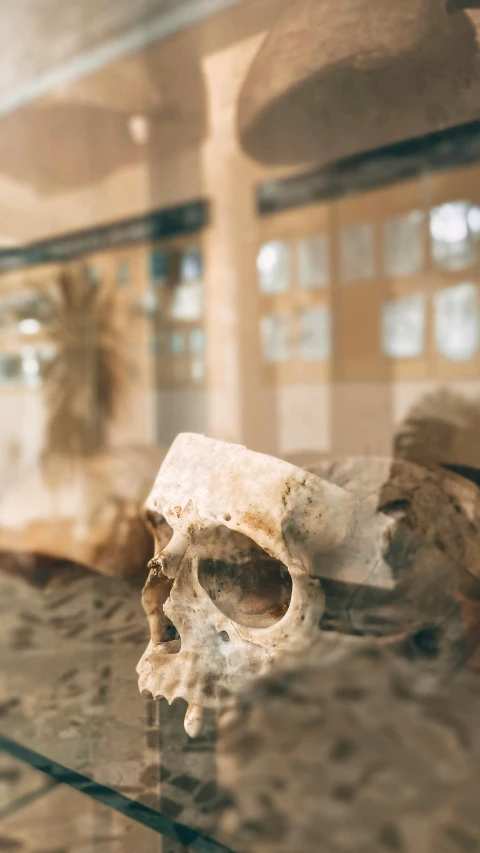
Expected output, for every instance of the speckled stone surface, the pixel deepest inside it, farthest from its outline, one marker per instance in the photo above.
(68, 691)
(353, 759)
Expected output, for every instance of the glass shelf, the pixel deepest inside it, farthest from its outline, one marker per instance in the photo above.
(70, 706)
(355, 752)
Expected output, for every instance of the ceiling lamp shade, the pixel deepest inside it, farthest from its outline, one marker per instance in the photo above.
(338, 77)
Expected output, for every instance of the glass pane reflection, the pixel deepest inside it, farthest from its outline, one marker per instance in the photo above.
(10, 367)
(123, 272)
(187, 301)
(26, 311)
(357, 252)
(26, 366)
(453, 241)
(158, 263)
(276, 337)
(177, 343)
(457, 333)
(29, 326)
(474, 219)
(30, 366)
(92, 275)
(403, 326)
(148, 303)
(197, 341)
(191, 265)
(403, 244)
(198, 369)
(313, 261)
(315, 342)
(273, 265)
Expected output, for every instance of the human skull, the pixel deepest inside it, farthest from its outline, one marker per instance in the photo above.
(234, 587)
(267, 560)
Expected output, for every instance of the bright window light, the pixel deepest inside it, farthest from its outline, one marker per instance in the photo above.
(29, 326)
(457, 326)
(30, 366)
(273, 265)
(449, 222)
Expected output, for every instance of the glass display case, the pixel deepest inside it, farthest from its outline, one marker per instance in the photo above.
(240, 427)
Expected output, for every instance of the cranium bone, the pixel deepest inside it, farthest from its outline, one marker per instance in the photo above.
(236, 577)
(253, 539)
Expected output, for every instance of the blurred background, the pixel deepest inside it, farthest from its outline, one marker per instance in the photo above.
(253, 219)
(280, 270)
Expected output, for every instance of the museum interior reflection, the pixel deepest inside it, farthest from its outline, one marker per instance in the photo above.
(193, 259)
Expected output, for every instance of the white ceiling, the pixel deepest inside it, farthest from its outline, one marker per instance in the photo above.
(47, 44)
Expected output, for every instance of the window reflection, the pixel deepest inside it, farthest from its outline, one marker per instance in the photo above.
(404, 245)
(276, 337)
(155, 345)
(26, 311)
(453, 240)
(9, 368)
(197, 369)
(29, 326)
(30, 366)
(357, 252)
(148, 303)
(123, 273)
(313, 261)
(474, 219)
(457, 334)
(273, 265)
(173, 306)
(177, 343)
(191, 265)
(403, 326)
(158, 263)
(180, 371)
(25, 366)
(187, 301)
(197, 341)
(92, 275)
(315, 334)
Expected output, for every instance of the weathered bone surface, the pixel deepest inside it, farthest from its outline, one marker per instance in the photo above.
(266, 561)
(411, 560)
(440, 509)
(235, 580)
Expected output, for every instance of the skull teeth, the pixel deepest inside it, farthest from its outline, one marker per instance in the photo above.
(194, 720)
(193, 717)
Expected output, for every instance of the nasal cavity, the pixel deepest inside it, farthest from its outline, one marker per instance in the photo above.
(160, 528)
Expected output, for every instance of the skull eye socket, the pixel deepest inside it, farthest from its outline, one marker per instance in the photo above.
(245, 584)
